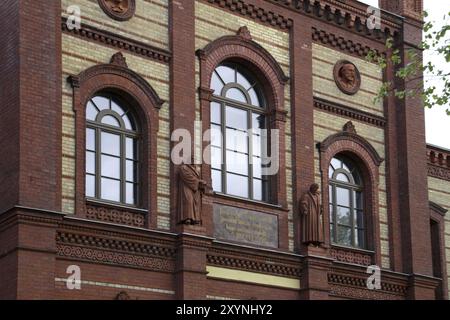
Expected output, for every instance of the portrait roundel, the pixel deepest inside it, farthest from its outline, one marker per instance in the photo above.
(347, 77)
(121, 10)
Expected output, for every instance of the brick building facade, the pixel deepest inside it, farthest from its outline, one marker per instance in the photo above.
(156, 60)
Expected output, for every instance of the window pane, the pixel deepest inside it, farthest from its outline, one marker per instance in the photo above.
(90, 162)
(360, 238)
(110, 189)
(216, 180)
(257, 189)
(332, 228)
(330, 172)
(110, 167)
(236, 118)
(91, 111)
(216, 113)
(216, 135)
(131, 148)
(110, 143)
(258, 122)
(90, 139)
(110, 120)
(237, 95)
(90, 186)
(237, 185)
(336, 163)
(115, 107)
(257, 167)
(343, 216)
(242, 80)
(331, 213)
(257, 146)
(101, 102)
(226, 73)
(343, 197)
(254, 98)
(216, 84)
(237, 163)
(130, 193)
(237, 140)
(342, 177)
(344, 236)
(216, 158)
(131, 173)
(359, 200)
(127, 121)
(359, 219)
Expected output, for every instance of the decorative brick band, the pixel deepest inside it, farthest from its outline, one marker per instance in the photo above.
(254, 12)
(115, 215)
(341, 43)
(116, 41)
(356, 287)
(103, 243)
(351, 256)
(438, 162)
(253, 265)
(349, 112)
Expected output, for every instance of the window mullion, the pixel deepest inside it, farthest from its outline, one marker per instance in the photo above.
(122, 169)
(224, 147)
(98, 155)
(250, 154)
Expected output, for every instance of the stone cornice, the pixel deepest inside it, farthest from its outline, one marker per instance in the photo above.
(349, 112)
(118, 42)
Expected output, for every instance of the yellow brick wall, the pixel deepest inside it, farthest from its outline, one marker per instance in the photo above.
(209, 28)
(149, 25)
(78, 55)
(439, 193)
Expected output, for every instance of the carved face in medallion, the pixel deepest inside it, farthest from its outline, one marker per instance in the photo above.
(347, 77)
(118, 9)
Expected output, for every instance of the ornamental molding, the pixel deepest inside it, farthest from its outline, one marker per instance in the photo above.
(356, 287)
(253, 265)
(118, 42)
(352, 256)
(254, 12)
(438, 172)
(118, 216)
(349, 112)
(340, 43)
(114, 258)
(117, 245)
(438, 162)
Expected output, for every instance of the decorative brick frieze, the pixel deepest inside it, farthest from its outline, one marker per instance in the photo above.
(352, 256)
(115, 215)
(117, 41)
(438, 163)
(337, 42)
(254, 12)
(349, 112)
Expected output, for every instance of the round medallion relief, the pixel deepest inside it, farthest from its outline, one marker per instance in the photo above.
(121, 10)
(347, 77)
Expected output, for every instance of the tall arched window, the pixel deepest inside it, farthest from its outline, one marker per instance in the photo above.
(346, 196)
(238, 142)
(111, 151)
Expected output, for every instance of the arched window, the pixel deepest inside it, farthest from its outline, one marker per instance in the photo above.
(238, 142)
(347, 220)
(111, 151)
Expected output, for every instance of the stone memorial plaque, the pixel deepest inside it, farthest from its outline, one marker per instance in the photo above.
(245, 226)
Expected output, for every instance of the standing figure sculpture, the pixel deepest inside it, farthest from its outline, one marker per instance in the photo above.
(311, 217)
(191, 187)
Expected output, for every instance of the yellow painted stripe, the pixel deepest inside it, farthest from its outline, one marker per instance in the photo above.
(251, 277)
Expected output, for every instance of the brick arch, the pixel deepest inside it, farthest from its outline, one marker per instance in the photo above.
(117, 79)
(243, 50)
(366, 158)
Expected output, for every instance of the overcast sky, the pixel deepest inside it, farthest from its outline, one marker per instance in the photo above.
(437, 121)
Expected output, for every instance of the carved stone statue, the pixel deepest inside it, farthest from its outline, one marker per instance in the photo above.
(191, 187)
(118, 6)
(347, 77)
(311, 217)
